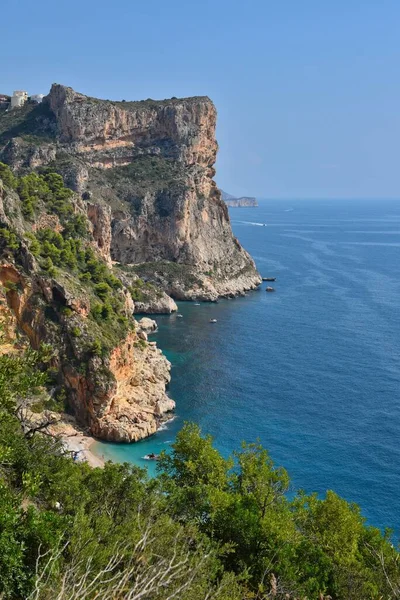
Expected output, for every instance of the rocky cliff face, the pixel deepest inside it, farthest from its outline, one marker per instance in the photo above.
(114, 377)
(152, 163)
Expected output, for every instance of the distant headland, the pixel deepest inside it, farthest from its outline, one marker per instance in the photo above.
(238, 202)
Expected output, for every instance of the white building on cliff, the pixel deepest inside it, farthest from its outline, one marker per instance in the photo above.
(19, 98)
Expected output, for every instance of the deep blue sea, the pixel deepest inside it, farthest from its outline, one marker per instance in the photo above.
(312, 370)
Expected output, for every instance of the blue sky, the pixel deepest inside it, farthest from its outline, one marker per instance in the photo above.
(307, 91)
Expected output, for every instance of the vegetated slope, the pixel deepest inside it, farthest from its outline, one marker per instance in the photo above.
(62, 292)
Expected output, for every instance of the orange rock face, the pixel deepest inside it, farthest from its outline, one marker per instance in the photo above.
(120, 398)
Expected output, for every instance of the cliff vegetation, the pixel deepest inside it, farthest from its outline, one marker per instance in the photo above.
(206, 527)
(63, 292)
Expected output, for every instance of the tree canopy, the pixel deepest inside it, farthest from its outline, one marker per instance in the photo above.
(205, 527)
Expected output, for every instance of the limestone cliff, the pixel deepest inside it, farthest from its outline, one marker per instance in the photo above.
(61, 293)
(152, 162)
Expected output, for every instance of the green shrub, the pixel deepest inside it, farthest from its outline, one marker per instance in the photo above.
(9, 238)
(96, 348)
(7, 176)
(85, 277)
(102, 290)
(141, 344)
(10, 286)
(48, 265)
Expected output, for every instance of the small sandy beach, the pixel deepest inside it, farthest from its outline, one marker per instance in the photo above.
(77, 441)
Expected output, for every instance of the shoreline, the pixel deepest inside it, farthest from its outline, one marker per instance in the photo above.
(94, 451)
(82, 445)
(77, 441)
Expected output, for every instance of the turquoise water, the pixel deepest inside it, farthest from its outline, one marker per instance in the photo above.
(312, 370)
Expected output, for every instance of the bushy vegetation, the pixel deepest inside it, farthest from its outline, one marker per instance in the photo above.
(145, 174)
(67, 250)
(148, 103)
(9, 239)
(34, 123)
(206, 527)
(7, 176)
(146, 169)
(142, 291)
(167, 271)
(69, 532)
(45, 189)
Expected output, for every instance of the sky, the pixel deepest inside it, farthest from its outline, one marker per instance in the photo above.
(307, 91)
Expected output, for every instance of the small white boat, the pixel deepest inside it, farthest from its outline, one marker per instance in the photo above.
(213, 320)
(180, 316)
(197, 304)
(151, 456)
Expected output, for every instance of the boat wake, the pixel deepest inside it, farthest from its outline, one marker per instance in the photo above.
(165, 424)
(251, 223)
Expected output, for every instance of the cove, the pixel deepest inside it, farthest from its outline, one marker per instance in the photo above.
(313, 370)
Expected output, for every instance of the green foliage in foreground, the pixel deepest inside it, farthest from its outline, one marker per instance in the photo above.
(206, 527)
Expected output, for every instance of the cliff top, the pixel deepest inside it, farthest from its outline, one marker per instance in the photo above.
(128, 104)
(39, 120)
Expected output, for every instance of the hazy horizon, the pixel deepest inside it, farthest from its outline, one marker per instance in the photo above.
(322, 199)
(307, 94)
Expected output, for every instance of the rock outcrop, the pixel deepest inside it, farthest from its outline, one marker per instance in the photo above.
(155, 304)
(152, 162)
(100, 217)
(114, 378)
(147, 325)
(234, 202)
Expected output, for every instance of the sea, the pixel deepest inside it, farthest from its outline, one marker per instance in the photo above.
(311, 370)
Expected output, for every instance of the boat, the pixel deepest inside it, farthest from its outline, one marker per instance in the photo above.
(269, 289)
(179, 316)
(269, 278)
(151, 456)
(197, 304)
(213, 320)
